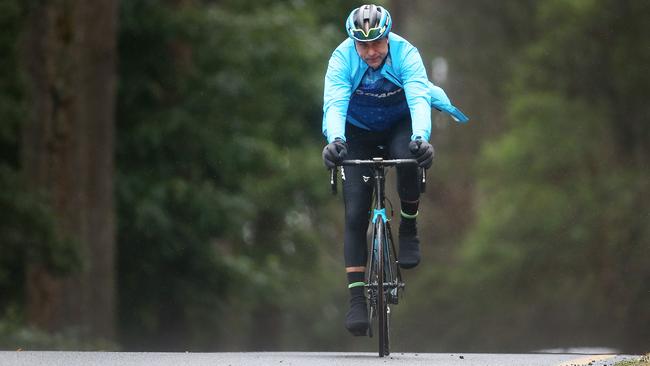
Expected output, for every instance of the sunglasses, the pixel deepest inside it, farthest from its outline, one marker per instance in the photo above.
(371, 35)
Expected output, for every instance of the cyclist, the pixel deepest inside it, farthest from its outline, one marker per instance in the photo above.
(377, 93)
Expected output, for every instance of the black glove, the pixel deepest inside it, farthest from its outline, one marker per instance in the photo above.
(423, 152)
(334, 153)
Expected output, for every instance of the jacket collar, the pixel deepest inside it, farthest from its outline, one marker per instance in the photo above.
(387, 69)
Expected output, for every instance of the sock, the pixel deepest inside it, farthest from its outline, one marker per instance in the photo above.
(409, 244)
(356, 280)
(409, 209)
(409, 214)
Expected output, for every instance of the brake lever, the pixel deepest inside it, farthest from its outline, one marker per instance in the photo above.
(333, 180)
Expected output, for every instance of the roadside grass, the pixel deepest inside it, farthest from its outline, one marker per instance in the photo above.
(643, 361)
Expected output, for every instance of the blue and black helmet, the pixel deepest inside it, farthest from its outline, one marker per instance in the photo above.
(368, 23)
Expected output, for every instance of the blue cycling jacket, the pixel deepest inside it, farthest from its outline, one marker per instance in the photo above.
(404, 68)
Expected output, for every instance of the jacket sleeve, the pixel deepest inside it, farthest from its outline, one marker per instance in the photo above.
(416, 86)
(338, 89)
(440, 101)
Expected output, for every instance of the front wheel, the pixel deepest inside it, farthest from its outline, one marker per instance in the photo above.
(382, 304)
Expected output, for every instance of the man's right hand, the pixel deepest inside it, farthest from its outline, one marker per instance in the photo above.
(334, 153)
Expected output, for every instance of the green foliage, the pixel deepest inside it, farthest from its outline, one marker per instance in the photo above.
(28, 229)
(225, 229)
(606, 64)
(15, 335)
(561, 238)
(11, 88)
(643, 361)
(219, 176)
(557, 244)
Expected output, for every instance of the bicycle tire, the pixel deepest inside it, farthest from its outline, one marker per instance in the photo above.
(372, 281)
(393, 275)
(382, 304)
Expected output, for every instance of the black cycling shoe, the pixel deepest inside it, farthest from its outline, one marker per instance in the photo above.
(356, 321)
(409, 244)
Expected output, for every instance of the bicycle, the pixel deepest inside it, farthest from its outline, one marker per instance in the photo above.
(383, 277)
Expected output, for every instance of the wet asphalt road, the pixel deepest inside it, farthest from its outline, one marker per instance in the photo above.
(25, 358)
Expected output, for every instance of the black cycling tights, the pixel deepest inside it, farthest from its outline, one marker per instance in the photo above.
(358, 183)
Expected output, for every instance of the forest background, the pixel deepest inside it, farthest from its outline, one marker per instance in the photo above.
(161, 186)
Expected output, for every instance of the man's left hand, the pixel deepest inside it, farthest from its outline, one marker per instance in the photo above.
(423, 152)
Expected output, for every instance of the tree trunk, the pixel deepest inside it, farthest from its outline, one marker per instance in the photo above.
(68, 153)
(399, 13)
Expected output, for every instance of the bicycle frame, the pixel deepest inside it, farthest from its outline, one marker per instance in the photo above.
(381, 254)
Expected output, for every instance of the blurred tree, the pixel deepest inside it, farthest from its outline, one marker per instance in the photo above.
(68, 154)
(13, 225)
(220, 180)
(562, 240)
(226, 240)
(27, 225)
(479, 42)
